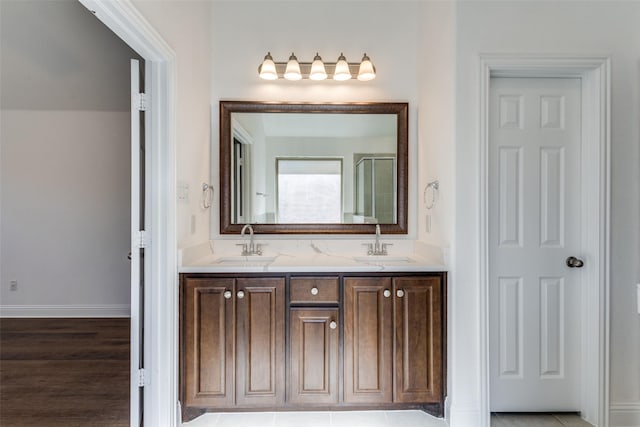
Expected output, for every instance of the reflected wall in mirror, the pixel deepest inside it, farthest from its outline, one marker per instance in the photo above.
(313, 168)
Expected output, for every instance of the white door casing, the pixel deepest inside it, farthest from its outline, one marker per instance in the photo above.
(161, 297)
(534, 226)
(595, 74)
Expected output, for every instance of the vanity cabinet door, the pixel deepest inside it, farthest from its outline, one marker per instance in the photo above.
(418, 339)
(368, 363)
(208, 325)
(314, 346)
(260, 342)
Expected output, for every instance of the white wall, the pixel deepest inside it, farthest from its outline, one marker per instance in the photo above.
(243, 32)
(186, 27)
(65, 212)
(593, 28)
(65, 162)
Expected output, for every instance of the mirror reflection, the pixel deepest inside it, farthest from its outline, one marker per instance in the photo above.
(303, 168)
(295, 168)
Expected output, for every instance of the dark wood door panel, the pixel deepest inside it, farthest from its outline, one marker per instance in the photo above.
(367, 340)
(418, 339)
(208, 326)
(260, 341)
(314, 345)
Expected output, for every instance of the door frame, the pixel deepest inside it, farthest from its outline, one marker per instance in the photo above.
(595, 74)
(161, 290)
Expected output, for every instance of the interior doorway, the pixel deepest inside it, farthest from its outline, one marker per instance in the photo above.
(593, 73)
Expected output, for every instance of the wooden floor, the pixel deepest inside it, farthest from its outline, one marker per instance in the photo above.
(64, 372)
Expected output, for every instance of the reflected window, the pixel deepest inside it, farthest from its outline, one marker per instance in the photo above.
(309, 190)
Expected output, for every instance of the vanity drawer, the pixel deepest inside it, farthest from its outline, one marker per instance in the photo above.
(305, 290)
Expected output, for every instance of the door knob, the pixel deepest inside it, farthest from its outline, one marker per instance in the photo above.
(240, 294)
(386, 293)
(314, 291)
(333, 324)
(400, 293)
(573, 262)
(227, 294)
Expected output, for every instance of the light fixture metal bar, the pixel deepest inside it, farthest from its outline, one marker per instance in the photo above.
(305, 68)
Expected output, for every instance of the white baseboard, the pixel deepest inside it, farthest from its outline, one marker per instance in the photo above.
(462, 416)
(103, 310)
(624, 414)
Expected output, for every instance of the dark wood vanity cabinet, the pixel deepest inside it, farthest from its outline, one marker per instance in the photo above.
(285, 341)
(233, 342)
(393, 330)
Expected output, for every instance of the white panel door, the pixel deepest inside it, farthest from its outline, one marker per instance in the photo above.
(534, 226)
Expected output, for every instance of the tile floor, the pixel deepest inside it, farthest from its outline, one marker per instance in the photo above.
(319, 419)
(537, 420)
(373, 419)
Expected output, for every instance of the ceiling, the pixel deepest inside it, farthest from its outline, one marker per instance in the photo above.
(55, 55)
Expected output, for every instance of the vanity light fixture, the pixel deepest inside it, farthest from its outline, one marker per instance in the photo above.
(292, 72)
(267, 69)
(318, 71)
(341, 70)
(366, 71)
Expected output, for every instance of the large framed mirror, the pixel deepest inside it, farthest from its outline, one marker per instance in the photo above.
(302, 168)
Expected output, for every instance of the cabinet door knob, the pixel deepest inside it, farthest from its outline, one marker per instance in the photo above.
(400, 293)
(314, 291)
(386, 293)
(240, 294)
(227, 294)
(333, 324)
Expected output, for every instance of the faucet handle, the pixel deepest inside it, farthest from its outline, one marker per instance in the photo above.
(369, 248)
(384, 248)
(258, 248)
(245, 252)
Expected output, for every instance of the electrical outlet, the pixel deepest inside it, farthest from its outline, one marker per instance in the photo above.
(13, 285)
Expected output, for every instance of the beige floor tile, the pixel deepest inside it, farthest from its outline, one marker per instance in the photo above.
(571, 420)
(413, 419)
(525, 420)
(246, 419)
(359, 419)
(205, 420)
(303, 419)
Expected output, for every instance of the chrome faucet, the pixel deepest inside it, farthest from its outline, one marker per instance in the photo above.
(251, 248)
(377, 248)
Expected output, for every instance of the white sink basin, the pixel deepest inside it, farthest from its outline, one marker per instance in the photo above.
(382, 259)
(249, 259)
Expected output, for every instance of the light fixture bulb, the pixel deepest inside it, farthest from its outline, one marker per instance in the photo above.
(317, 69)
(366, 71)
(342, 72)
(267, 69)
(292, 72)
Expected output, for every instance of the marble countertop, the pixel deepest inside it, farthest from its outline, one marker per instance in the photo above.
(311, 255)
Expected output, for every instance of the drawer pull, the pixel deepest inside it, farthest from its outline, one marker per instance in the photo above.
(314, 291)
(227, 294)
(386, 293)
(333, 324)
(240, 294)
(400, 293)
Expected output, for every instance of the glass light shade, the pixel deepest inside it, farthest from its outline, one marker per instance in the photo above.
(267, 69)
(366, 71)
(317, 69)
(292, 72)
(342, 72)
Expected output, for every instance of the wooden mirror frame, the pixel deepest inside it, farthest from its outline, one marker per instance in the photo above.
(400, 109)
